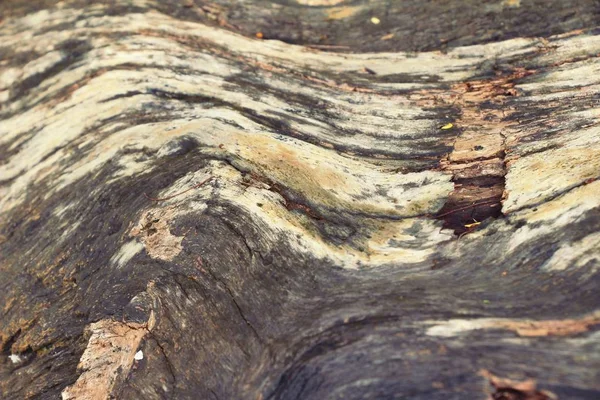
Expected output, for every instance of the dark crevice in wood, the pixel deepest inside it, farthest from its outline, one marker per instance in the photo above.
(479, 196)
(163, 352)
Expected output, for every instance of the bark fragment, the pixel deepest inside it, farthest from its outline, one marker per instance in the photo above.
(107, 359)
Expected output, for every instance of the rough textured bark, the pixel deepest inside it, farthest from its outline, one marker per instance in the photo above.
(402, 209)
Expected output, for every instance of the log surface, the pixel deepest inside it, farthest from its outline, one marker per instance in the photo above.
(301, 199)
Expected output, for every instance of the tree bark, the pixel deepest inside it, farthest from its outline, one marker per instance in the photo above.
(310, 199)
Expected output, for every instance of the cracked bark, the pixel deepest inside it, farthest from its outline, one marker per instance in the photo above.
(266, 199)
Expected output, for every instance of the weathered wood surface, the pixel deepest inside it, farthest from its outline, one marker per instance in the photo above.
(188, 211)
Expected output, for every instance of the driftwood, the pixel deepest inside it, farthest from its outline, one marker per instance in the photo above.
(311, 199)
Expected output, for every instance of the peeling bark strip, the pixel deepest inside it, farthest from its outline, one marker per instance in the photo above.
(190, 209)
(107, 359)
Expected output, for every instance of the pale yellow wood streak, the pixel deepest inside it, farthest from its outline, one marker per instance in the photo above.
(329, 181)
(275, 222)
(572, 155)
(523, 327)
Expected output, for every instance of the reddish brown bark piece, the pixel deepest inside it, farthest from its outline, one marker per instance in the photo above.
(508, 389)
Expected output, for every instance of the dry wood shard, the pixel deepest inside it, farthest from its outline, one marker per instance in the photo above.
(107, 359)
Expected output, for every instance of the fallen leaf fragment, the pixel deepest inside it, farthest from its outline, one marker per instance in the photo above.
(447, 126)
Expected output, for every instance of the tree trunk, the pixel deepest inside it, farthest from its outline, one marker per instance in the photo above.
(303, 199)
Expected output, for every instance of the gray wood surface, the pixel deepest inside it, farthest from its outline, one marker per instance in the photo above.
(311, 199)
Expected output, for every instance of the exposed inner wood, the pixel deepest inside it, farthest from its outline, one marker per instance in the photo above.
(477, 159)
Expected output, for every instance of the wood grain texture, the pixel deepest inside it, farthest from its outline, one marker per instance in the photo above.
(410, 211)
